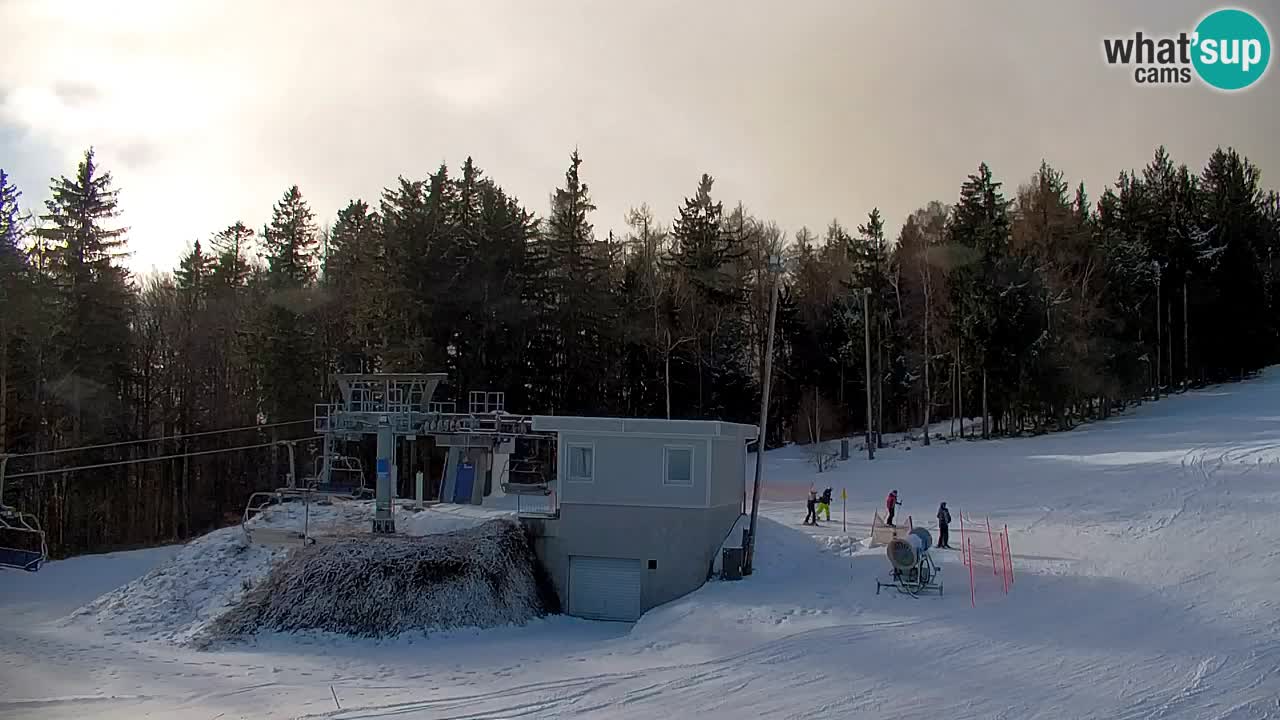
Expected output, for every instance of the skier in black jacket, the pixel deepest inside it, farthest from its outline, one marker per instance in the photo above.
(944, 519)
(824, 505)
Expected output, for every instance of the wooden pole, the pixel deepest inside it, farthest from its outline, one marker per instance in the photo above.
(1186, 337)
(749, 555)
(866, 339)
(1159, 339)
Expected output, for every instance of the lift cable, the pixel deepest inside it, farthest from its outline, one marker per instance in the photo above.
(116, 463)
(157, 439)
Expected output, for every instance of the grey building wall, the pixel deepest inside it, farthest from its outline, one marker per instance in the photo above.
(629, 470)
(683, 541)
(629, 511)
(728, 475)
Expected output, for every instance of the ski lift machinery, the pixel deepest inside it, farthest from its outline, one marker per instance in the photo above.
(22, 541)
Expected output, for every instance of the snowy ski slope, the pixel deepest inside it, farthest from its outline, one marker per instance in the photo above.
(1148, 569)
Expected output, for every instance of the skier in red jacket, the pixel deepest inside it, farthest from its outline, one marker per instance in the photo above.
(890, 503)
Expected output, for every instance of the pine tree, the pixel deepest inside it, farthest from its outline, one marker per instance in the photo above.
(707, 259)
(578, 303)
(1271, 265)
(91, 336)
(988, 285)
(290, 242)
(231, 248)
(193, 276)
(1240, 334)
(14, 292)
(292, 373)
(876, 277)
(355, 279)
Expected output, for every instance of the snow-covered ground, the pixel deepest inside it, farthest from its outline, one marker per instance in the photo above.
(1147, 575)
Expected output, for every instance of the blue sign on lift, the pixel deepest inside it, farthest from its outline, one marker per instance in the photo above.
(384, 466)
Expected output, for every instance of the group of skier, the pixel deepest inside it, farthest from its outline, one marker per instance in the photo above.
(944, 518)
(818, 504)
(822, 504)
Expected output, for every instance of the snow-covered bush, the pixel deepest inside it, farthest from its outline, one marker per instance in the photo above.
(383, 586)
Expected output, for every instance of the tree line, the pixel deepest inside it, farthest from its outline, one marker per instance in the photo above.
(1029, 309)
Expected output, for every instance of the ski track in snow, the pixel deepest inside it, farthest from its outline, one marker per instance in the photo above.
(1145, 587)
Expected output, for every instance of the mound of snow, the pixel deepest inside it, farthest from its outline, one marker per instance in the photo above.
(177, 599)
(844, 545)
(384, 586)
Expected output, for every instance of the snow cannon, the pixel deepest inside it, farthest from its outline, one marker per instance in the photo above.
(907, 552)
(913, 569)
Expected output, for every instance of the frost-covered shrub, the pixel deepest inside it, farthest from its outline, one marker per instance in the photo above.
(383, 586)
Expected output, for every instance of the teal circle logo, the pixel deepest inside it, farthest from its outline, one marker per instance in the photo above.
(1232, 49)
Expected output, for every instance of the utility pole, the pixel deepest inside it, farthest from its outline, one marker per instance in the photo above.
(866, 337)
(1186, 336)
(775, 265)
(1159, 341)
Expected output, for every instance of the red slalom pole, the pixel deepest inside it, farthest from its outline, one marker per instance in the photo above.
(991, 543)
(973, 602)
(1004, 566)
(1010, 551)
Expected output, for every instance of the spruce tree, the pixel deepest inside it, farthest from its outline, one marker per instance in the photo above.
(292, 373)
(1238, 338)
(193, 275)
(578, 306)
(884, 329)
(988, 287)
(91, 334)
(290, 242)
(14, 292)
(231, 250)
(707, 260)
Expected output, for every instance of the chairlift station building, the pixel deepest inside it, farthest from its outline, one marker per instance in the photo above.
(629, 516)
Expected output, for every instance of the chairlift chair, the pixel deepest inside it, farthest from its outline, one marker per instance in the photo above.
(22, 540)
(526, 477)
(262, 535)
(346, 478)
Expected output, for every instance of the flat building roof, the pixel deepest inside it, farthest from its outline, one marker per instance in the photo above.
(643, 426)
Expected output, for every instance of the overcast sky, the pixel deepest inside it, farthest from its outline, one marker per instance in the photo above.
(206, 111)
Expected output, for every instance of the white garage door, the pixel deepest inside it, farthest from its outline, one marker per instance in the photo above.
(604, 588)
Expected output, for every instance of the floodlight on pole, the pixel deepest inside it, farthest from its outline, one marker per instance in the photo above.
(866, 337)
(775, 267)
(1158, 270)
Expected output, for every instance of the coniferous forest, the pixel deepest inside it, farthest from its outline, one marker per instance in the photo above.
(1023, 302)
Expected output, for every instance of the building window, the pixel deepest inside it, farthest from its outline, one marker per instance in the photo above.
(678, 466)
(582, 463)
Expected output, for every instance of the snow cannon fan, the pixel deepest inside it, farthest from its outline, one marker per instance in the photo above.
(913, 569)
(905, 553)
